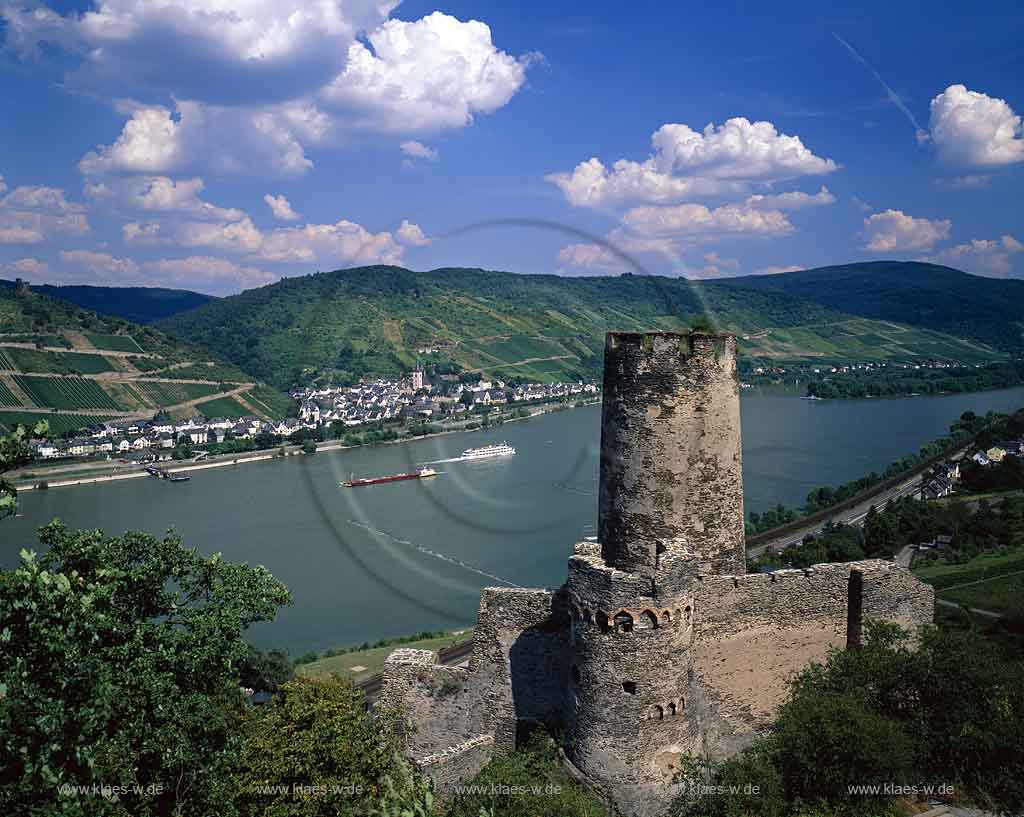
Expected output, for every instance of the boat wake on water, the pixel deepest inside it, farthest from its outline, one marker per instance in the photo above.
(444, 557)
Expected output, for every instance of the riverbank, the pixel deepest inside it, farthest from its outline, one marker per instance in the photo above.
(62, 477)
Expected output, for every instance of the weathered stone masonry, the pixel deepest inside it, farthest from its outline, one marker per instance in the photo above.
(659, 645)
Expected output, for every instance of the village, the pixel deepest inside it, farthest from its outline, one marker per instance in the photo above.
(322, 413)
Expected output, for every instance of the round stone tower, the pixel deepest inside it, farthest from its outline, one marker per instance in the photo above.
(670, 509)
(671, 491)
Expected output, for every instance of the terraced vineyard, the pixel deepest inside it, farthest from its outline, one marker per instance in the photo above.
(113, 343)
(7, 397)
(170, 394)
(73, 367)
(223, 407)
(66, 393)
(32, 360)
(265, 398)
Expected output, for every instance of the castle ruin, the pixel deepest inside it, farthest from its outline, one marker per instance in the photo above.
(659, 645)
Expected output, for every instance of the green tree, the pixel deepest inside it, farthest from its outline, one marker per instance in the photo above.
(265, 670)
(118, 667)
(316, 733)
(14, 451)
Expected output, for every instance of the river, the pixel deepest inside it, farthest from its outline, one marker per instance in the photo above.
(365, 563)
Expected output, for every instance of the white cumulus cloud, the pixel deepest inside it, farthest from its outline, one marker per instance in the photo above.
(972, 129)
(215, 276)
(791, 201)
(412, 234)
(591, 257)
(686, 163)
(103, 266)
(982, 256)
(281, 208)
(325, 245)
(217, 51)
(696, 219)
(33, 214)
(436, 72)
(417, 150)
(156, 139)
(895, 231)
(31, 269)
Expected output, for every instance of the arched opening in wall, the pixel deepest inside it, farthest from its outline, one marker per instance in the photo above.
(671, 710)
(588, 617)
(623, 622)
(657, 713)
(602, 622)
(629, 687)
(648, 620)
(689, 614)
(666, 618)
(682, 704)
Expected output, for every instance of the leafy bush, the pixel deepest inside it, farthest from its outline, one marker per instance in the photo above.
(316, 733)
(541, 787)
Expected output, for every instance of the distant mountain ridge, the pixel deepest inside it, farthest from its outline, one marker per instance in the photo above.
(136, 304)
(931, 296)
(378, 321)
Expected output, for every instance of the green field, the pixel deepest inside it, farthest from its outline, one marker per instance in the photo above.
(986, 566)
(148, 364)
(223, 407)
(170, 394)
(31, 360)
(114, 343)
(6, 362)
(7, 397)
(66, 393)
(275, 404)
(373, 659)
(997, 595)
(59, 423)
(215, 372)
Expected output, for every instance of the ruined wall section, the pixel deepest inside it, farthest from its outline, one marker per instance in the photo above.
(521, 645)
(755, 632)
(671, 491)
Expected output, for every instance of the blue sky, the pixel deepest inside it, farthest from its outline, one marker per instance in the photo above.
(221, 144)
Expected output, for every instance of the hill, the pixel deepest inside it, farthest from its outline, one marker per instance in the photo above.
(74, 367)
(137, 304)
(377, 321)
(990, 310)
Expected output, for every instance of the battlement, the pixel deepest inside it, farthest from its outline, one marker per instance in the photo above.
(670, 501)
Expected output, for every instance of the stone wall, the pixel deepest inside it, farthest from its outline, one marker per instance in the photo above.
(754, 632)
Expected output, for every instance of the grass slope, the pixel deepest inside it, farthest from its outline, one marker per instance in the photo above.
(377, 321)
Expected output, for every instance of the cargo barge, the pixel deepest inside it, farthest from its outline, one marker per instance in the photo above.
(421, 473)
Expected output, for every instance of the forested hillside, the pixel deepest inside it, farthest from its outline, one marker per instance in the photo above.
(930, 296)
(370, 321)
(136, 304)
(74, 367)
